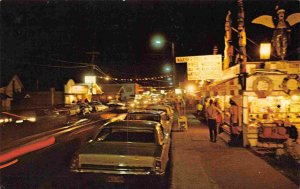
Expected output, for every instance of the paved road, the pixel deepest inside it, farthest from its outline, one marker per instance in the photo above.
(11, 133)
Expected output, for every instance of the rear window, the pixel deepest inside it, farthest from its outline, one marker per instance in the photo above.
(143, 117)
(144, 136)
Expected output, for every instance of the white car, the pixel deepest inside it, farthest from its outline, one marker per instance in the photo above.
(125, 150)
(98, 106)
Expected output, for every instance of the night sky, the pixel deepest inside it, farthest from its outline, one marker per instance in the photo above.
(45, 40)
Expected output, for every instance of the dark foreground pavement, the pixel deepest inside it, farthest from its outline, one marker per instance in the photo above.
(197, 163)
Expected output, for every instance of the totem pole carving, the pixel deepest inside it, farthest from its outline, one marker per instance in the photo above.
(282, 29)
(228, 51)
(242, 39)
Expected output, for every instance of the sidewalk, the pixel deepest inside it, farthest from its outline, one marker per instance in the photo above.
(197, 163)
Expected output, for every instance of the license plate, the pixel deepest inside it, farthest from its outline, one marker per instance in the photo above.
(115, 179)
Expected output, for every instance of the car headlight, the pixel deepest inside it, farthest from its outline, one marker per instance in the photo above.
(19, 121)
(31, 119)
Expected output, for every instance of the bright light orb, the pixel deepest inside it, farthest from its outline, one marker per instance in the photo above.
(190, 88)
(158, 41)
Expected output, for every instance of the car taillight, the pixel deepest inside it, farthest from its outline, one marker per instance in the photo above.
(75, 162)
(157, 164)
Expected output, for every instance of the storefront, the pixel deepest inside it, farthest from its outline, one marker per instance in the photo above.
(271, 105)
(269, 108)
(79, 92)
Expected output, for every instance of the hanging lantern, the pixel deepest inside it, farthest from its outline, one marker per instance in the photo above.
(265, 51)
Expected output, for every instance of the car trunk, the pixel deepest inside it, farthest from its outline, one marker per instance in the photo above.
(118, 156)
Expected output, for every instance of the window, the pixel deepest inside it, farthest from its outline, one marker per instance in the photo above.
(145, 136)
(143, 117)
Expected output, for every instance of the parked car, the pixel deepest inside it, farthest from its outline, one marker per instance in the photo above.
(98, 106)
(165, 108)
(115, 103)
(74, 109)
(150, 115)
(85, 108)
(123, 150)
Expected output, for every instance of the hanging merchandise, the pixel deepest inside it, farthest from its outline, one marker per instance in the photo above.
(262, 86)
(291, 84)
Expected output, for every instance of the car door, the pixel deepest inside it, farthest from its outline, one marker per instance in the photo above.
(165, 143)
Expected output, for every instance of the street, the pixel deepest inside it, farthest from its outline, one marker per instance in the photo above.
(195, 163)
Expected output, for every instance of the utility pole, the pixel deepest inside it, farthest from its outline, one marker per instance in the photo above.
(174, 66)
(242, 60)
(93, 54)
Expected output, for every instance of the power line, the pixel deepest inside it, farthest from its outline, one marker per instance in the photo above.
(70, 62)
(69, 67)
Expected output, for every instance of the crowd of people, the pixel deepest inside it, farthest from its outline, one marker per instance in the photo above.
(211, 113)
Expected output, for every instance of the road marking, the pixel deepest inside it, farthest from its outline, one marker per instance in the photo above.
(9, 164)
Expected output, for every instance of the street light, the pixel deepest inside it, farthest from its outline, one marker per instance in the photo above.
(158, 41)
(167, 68)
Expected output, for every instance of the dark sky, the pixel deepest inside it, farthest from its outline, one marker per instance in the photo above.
(52, 33)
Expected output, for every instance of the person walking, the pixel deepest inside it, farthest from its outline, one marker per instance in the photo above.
(219, 118)
(211, 114)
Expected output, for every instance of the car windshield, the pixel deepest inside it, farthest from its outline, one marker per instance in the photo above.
(143, 117)
(122, 135)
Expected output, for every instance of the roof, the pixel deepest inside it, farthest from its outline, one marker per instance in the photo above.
(142, 111)
(112, 88)
(6, 79)
(132, 124)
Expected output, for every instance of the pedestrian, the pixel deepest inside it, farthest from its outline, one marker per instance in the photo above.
(219, 118)
(233, 110)
(199, 108)
(234, 123)
(211, 115)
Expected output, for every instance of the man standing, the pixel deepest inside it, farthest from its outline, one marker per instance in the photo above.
(211, 115)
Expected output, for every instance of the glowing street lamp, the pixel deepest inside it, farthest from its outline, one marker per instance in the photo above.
(190, 89)
(158, 41)
(167, 68)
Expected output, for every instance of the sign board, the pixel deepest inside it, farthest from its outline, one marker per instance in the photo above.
(80, 89)
(202, 67)
(90, 79)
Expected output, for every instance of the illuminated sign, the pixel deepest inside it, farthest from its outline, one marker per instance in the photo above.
(80, 89)
(202, 67)
(90, 79)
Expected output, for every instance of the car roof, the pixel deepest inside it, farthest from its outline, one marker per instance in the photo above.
(132, 124)
(143, 111)
(158, 107)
